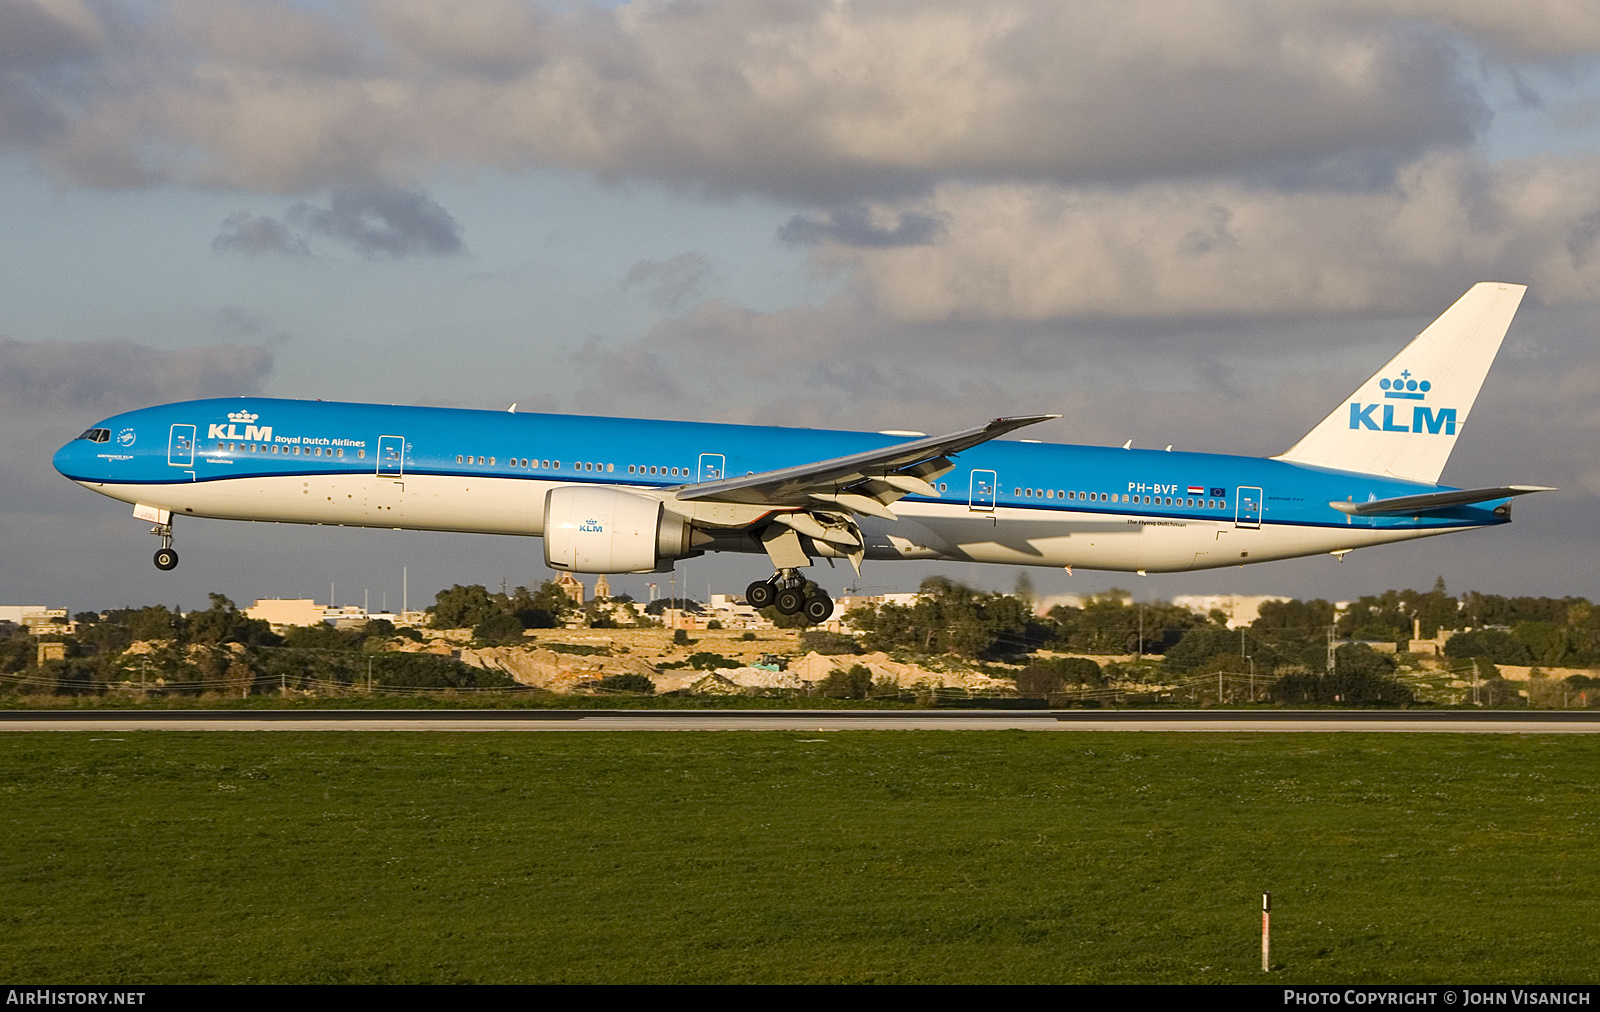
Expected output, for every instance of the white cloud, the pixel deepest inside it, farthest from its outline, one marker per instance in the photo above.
(1176, 250)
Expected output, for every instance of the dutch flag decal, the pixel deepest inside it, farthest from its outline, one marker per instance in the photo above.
(1197, 490)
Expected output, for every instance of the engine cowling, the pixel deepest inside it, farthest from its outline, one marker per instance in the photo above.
(607, 530)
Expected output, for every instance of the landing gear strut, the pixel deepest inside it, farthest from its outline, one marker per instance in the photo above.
(791, 594)
(166, 558)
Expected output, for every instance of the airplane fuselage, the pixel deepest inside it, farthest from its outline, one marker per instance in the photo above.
(1006, 501)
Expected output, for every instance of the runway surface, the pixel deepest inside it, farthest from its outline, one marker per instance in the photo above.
(1454, 722)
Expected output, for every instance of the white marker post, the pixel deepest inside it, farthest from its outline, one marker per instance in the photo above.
(1266, 932)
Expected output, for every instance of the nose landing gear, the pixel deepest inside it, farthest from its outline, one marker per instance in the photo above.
(791, 594)
(166, 558)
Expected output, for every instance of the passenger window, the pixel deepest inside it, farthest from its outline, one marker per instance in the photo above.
(610, 468)
(339, 452)
(491, 461)
(361, 454)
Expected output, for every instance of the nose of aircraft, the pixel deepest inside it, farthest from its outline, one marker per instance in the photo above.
(67, 459)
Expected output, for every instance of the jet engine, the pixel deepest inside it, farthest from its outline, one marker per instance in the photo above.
(606, 530)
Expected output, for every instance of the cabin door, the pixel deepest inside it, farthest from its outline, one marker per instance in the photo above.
(1248, 511)
(391, 456)
(980, 496)
(712, 467)
(180, 446)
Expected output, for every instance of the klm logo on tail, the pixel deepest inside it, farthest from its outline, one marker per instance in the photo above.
(1422, 418)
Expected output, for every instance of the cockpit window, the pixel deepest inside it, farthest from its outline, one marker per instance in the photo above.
(96, 435)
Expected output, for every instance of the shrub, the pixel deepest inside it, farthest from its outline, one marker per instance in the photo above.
(629, 682)
(1350, 688)
(705, 660)
(1045, 675)
(828, 643)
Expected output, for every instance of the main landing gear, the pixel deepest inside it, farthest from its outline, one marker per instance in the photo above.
(791, 594)
(166, 558)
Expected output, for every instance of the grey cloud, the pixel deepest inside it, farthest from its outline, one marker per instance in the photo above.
(252, 236)
(822, 103)
(667, 284)
(856, 226)
(376, 222)
(382, 222)
(105, 376)
(39, 35)
(632, 380)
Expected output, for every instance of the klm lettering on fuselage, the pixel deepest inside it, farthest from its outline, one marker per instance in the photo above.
(252, 433)
(1422, 419)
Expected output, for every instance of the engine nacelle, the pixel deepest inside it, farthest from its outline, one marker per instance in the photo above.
(607, 530)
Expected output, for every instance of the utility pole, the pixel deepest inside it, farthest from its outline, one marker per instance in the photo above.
(1330, 650)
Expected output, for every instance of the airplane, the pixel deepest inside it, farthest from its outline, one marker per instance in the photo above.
(621, 495)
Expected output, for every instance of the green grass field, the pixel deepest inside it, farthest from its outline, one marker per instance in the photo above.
(959, 856)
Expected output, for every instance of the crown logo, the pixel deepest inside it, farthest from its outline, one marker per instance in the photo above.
(242, 416)
(1405, 388)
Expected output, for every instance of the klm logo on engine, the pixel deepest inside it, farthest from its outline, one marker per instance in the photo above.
(592, 527)
(1393, 417)
(251, 433)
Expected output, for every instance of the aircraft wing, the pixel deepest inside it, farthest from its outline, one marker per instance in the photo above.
(863, 483)
(1406, 505)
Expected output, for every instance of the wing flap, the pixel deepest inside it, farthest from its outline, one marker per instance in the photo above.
(886, 473)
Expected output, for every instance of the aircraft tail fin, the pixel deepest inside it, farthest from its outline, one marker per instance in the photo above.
(1403, 422)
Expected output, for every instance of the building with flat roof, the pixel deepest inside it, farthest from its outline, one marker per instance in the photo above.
(38, 619)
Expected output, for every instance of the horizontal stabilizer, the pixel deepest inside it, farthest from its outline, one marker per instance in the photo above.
(1409, 505)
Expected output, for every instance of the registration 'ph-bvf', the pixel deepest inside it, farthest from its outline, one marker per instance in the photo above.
(617, 495)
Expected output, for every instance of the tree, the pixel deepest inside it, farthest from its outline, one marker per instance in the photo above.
(1546, 641)
(223, 622)
(1199, 645)
(546, 608)
(852, 684)
(1496, 645)
(498, 628)
(684, 604)
(461, 607)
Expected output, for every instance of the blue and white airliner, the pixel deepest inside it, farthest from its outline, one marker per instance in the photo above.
(619, 495)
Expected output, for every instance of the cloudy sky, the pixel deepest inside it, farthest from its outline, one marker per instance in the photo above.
(1199, 223)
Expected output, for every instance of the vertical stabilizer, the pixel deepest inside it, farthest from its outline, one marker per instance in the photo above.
(1403, 422)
